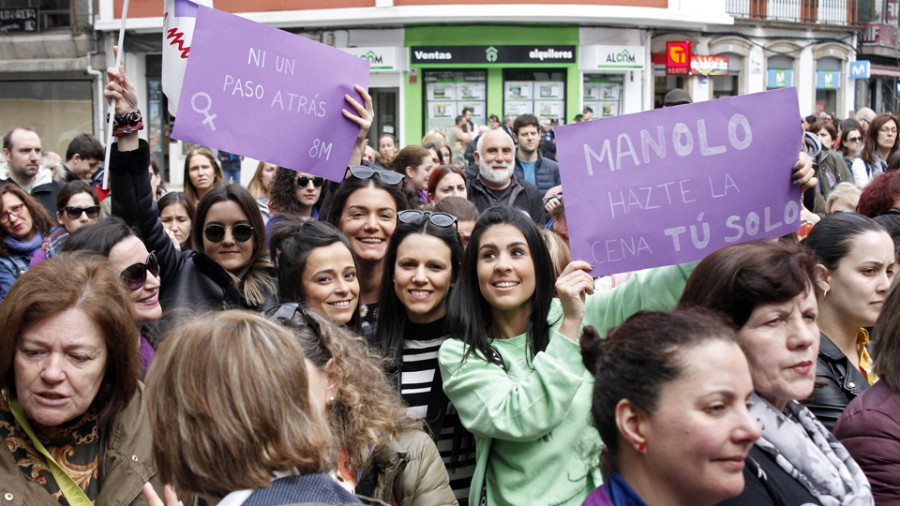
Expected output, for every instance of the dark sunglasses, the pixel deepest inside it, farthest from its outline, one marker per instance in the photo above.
(215, 233)
(854, 139)
(437, 219)
(285, 313)
(135, 275)
(317, 181)
(73, 213)
(363, 172)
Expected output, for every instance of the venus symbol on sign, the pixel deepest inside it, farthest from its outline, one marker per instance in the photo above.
(204, 111)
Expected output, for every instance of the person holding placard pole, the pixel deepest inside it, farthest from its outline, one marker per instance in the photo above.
(229, 267)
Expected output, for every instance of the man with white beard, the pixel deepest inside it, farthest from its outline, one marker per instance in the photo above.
(495, 184)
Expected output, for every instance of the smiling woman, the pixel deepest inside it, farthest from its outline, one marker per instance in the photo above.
(364, 208)
(314, 265)
(71, 403)
(511, 366)
(421, 266)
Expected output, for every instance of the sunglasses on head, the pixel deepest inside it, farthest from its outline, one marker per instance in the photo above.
(73, 213)
(437, 219)
(317, 181)
(363, 172)
(285, 313)
(215, 232)
(135, 275)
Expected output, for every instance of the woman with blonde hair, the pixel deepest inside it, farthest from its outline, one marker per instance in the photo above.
(260, 186)
(843, 198)
(234, 418)
(384, 452)
(201, 173)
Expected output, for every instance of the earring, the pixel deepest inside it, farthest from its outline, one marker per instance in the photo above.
(331, 400)
(641, 447)
(825, 295)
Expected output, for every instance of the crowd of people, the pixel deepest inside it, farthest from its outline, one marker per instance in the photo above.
(419, 334)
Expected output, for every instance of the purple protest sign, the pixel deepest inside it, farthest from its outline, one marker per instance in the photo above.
(268, 94)
(672, 185)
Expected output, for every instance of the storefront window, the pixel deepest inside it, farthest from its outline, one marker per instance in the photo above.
(447, 93)
(828, 80)
(57, 110)
(542, 93)
(51, 13)
(663, 83)
(780, 72)
(729, 86)
(603, 94)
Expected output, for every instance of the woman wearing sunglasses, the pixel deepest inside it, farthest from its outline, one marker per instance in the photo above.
(295, 193)
(137, 268)
(229, 267)
(364, 208)
(23, 225)
(851, 144)
(77, 206)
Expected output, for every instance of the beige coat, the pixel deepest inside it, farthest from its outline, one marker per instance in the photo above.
(410, 469)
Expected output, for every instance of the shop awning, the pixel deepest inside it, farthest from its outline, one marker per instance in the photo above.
(885, 71)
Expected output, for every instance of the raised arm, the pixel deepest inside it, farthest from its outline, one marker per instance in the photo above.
(363, 117)
(132, 195)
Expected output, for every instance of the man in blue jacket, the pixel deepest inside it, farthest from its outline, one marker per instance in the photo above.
(530, 165)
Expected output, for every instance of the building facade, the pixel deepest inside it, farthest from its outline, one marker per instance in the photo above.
(429, 59)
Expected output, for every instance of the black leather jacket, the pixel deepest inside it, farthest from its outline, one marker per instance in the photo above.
(189, 280)
(837, 383)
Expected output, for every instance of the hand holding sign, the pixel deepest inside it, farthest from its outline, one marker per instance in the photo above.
(672, 185)
(363, 117)
(272, 95)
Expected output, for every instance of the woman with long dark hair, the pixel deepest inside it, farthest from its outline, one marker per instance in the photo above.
(420, 269)
(364, 208)
(512, 366)
(881, 143)
(856, 266)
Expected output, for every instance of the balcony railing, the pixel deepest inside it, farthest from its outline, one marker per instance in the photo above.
(831, 12)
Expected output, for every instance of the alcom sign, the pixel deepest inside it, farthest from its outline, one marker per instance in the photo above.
(381, 59)
(613, 58)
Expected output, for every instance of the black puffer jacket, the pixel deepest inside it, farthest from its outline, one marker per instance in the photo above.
(189, 280)
(837, 383)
